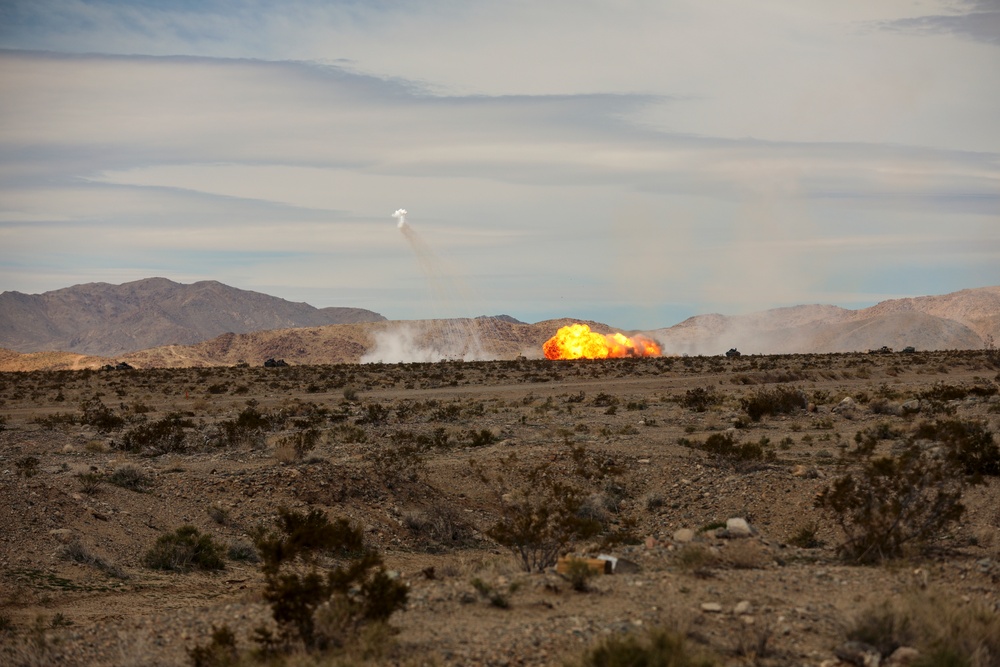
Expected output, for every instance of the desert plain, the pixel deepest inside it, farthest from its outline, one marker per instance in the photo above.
(427, 457)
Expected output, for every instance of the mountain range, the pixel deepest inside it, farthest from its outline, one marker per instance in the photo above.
(157, 322)
(968, 319)
(108, 320)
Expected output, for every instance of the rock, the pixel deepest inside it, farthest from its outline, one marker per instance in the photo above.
(738, 527)
(845, 406)
(805, 472)
(911, 407)
(904, 655)
(743, 607)
(711, 607)
(683, 535)
(651, 542)
(64, 535)
(859, 653)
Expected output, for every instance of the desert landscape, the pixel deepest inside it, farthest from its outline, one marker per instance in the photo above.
(141, 508)
(499, 334)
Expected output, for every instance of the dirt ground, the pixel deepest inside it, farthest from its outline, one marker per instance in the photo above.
(75, 589)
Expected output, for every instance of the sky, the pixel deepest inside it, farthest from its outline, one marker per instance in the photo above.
(633, 162)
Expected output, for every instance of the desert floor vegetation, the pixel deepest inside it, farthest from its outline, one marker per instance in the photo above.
(765, 510)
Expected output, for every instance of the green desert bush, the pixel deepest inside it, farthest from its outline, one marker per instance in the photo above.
(183, 550)
(892, 502)
(326, 608)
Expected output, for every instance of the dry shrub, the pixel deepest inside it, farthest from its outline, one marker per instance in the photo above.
(696, 559)
(893, 502)
(158, 437)
(746, 554)
(286, 454)
(131, 478)
(78, 553)
(539, 514)
(968, 444)
(185, 549)
(322, 608)
(439, 524)
(780, 400)
(946, 630)
(660, 647)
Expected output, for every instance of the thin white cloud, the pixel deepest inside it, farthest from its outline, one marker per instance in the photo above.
(637, 153)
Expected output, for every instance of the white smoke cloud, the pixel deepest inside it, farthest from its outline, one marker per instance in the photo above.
(400, 345)
(443, 340)
(401, 214)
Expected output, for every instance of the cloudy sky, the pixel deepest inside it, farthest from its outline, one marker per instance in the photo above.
(628, 161)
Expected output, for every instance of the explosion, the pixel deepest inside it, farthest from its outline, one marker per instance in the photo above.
(577, 341)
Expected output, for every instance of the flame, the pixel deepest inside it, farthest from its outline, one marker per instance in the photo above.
(577, 341)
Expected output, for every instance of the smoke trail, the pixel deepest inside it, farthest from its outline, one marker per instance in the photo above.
(462, 337)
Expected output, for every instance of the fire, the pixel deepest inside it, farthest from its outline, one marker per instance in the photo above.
(577, 341)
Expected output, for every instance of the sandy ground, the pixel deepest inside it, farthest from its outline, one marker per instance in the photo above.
(756, 600)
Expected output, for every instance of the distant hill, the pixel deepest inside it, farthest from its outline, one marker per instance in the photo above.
(389, 341)
(110, 320)
(969, 319)
(110, 324)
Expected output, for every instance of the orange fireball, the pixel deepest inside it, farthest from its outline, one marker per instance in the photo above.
(577, 341)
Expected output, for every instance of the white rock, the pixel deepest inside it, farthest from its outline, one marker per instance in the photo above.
(743, 607)
(738, 527)
(683, 535)
(904, 655)
(711, 607)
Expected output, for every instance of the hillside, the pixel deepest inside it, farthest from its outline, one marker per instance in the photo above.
(969, 319)
(107, 320)
(413, 341)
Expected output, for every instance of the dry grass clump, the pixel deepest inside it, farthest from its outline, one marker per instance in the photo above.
(660, 647)
(944, 629)
(78, 553)
(746, 554)
(697, 559)
(131, 478)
